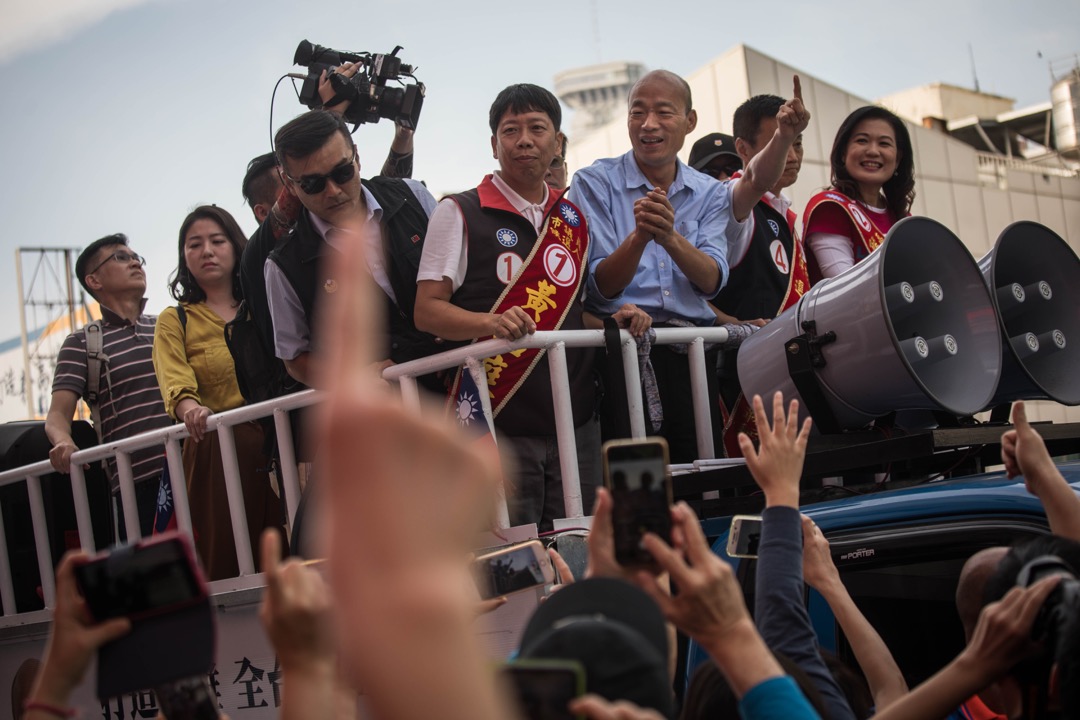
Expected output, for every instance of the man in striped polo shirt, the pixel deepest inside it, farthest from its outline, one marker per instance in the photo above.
(129, 400)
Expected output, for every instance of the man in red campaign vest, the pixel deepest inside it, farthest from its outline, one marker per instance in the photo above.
(506, 259)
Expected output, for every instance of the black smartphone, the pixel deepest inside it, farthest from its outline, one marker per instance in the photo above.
(147, 578)
(744, 536)
(188, 699)
(636, 473)
(544, 688)
(512, 569)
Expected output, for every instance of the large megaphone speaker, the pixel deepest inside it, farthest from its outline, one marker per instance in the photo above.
(1034, 279)
(910, 327)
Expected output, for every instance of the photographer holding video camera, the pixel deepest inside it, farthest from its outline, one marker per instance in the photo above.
(324, 204)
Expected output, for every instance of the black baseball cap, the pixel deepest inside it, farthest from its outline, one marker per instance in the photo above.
(615, 631)
(712, 146)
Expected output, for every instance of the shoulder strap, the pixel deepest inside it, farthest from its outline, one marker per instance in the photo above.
(182, 314)
(95, 359)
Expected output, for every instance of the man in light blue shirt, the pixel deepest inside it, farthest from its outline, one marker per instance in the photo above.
(657, 239)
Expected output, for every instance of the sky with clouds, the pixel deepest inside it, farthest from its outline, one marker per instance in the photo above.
(122, 115)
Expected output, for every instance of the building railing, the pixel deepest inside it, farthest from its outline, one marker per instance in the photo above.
(405, 374)
(993, 169)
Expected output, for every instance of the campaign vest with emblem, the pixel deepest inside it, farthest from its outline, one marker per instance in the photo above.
(404, 224)
(757, 286)
(491, 234)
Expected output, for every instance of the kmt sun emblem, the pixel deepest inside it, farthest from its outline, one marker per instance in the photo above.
(775, 227)
(569, 215)
(507, 237)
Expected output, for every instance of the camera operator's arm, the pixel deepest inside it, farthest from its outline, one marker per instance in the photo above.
(1024, 453)
(1001, 639)
(399, 163)
(73, 640)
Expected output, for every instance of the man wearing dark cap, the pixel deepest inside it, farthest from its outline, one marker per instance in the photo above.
(715, 156)
(615, 631)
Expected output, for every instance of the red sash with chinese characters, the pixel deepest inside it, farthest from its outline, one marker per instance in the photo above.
(546, 285)
(740, 418)
(870, 237)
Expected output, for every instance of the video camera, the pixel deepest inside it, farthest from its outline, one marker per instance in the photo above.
(366, 92)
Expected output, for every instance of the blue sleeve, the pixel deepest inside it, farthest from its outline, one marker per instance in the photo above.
(712, 233)
(779, 610)
(776, 699)
(592, 196)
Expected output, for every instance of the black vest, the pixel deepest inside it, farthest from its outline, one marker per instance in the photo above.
(756, 287)
(530, 411)
(404, 223)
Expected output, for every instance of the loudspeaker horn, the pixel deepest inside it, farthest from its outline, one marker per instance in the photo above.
(1034, 281)
(910, 327)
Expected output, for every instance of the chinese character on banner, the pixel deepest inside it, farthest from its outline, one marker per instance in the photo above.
(250, 685)
(493, 367)
(274, 676)
(540, 298)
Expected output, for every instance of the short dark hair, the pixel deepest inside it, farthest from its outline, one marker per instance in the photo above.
(305, 134)
(688, 97)
(900, 188)
(749, 115)
(258, 187)
(182, 285)
(90, 252)
(1067, 643)
(522, 98)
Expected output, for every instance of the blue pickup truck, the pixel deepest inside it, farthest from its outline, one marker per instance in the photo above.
(900, 552)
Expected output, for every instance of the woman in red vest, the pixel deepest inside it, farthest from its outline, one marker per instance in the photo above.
(873, 185)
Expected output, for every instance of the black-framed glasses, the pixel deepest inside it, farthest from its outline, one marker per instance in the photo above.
(315, 184)
(121, 256)
(556, 162)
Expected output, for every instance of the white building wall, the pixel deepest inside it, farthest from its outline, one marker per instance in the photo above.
(947, 180)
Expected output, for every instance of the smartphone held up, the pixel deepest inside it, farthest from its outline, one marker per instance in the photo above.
(513, 569)
(636, 474)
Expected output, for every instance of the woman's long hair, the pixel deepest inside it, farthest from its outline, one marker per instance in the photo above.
(900, 188)
(182, 286)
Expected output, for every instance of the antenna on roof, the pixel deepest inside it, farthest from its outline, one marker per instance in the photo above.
(974, 75)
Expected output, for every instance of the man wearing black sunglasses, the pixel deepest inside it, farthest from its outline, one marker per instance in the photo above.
(320, 167)
(127, 400)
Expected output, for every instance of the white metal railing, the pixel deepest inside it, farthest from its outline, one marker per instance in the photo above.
(556, 342)
(993, 169)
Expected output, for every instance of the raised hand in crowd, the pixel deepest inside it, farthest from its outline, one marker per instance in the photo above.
(1024, 453)
(882, 674)
(73, 640)
(1002, 638)
(296, 613)
(777, 462)
(779, 609)
(405, 495)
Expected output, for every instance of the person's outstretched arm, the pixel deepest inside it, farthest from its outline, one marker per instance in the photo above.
(405, 495)
(778, 601)
(1001, 639)
(709, 607)
(882, 673)
(1024, 453)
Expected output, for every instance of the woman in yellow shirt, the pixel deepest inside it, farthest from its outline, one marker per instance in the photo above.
(196, 375)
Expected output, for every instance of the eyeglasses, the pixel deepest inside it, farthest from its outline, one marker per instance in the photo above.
(315, 184)
(556, 162)
(121, 256)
